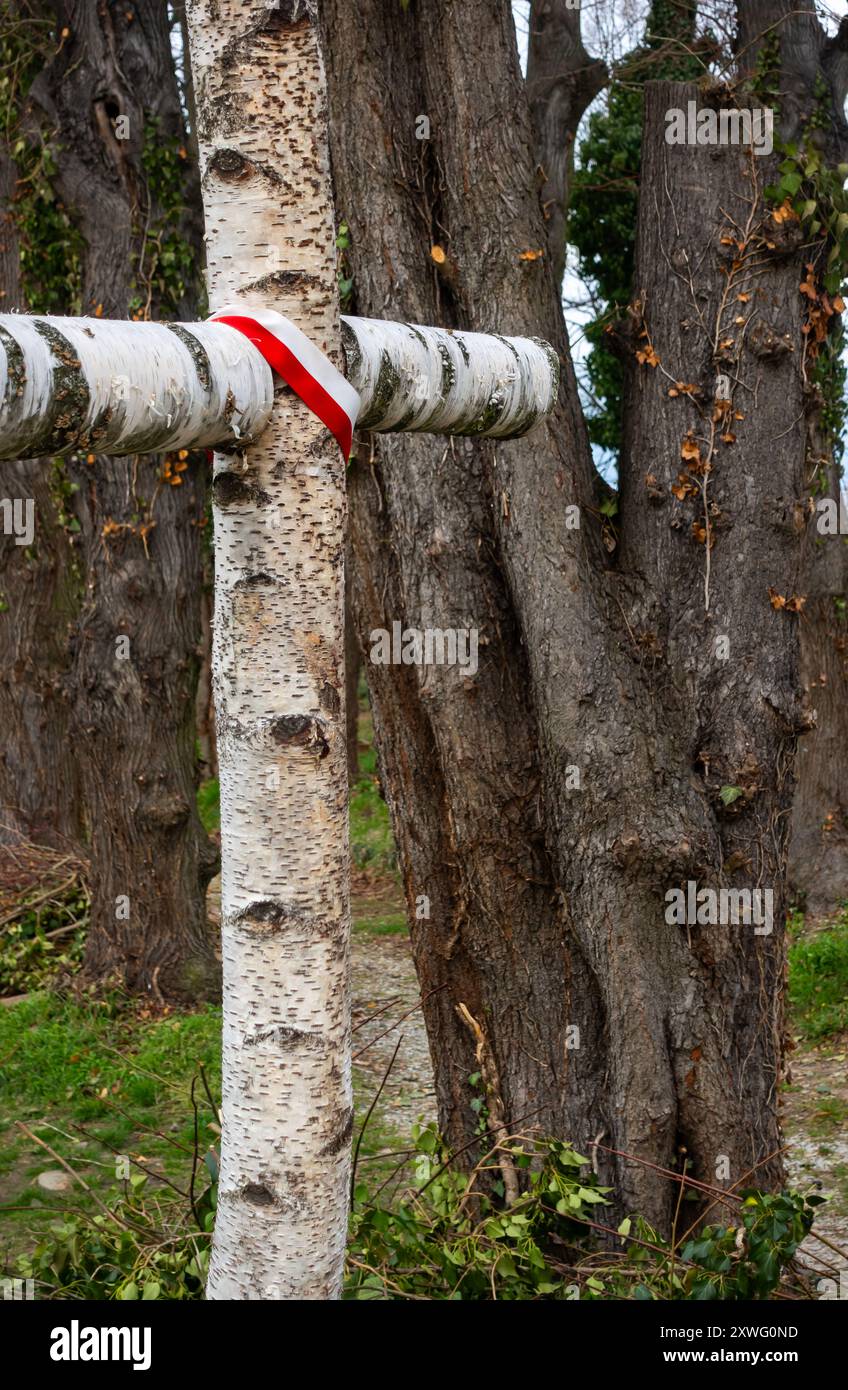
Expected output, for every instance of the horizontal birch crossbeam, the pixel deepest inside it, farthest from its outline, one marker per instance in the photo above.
(114, 387)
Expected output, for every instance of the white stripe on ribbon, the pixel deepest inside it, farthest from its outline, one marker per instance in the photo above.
(318, 368)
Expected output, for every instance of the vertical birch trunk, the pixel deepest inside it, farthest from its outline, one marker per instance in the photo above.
(279, 675)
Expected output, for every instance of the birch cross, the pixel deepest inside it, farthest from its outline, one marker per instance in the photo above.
(72, 385)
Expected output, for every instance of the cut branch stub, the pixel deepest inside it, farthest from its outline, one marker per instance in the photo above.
(74, 385)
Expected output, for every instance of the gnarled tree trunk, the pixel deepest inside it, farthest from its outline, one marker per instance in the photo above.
(460, 757)
(107, 105)
(548, 892)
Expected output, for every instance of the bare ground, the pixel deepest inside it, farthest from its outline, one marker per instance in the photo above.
(815, 1102)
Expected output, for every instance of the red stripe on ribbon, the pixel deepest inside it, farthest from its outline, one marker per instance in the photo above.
(285, 364)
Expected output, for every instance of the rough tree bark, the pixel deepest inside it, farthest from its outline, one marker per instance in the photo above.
(279, 681)
(459, 758)
(205, 703)
(353, 667)
(562, 81)
(39, 596)
(818, 849)
(108, 107)
(548, 902)
(705, 536)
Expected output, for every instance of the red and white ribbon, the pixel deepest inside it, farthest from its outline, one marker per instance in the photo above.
(302, 365)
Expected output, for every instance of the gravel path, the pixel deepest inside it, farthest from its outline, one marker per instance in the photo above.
(815, 1104)
(384, 979)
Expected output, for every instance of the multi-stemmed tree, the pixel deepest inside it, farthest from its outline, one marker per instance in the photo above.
(634, 723)
(602, 214)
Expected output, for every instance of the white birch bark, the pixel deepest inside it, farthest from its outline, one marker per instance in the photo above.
(106, 386)
(444, 381)
(279, 652)
(74, 385)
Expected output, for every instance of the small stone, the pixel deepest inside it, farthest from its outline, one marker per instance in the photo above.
(55, 1180)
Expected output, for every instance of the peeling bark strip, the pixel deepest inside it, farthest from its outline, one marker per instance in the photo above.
(279, 644)
(103, 385)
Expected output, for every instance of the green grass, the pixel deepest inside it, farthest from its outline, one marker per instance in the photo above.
(818, 979)
(98, 1080)
(829, 1117)
(372, 843)
(381, 924)
(209, 805)
(90, 1079)
(55, 1050)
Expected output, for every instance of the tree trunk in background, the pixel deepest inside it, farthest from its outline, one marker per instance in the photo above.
(40, 590)
(818, 849)
(702, 562)
(818, 865)
(548, 898)
(353, 667)
(39, 596)
(281, 1224)
(206, 738)
(562, 81)
(459, 757)
(108, 105)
